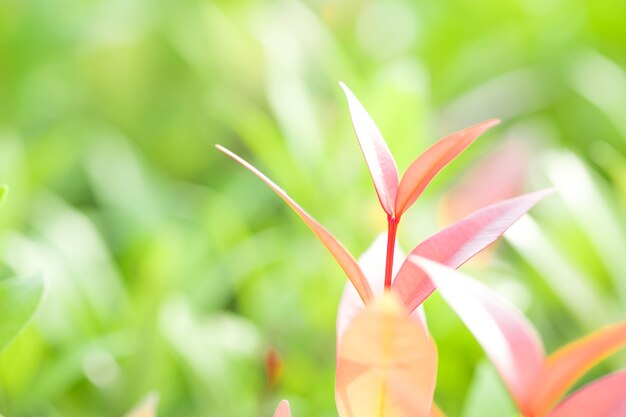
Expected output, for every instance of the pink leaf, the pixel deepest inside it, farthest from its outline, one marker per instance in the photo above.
(455, 244)
(381, 164)
(339, 252)
(426, 166)
(386, 364)
(283, 409)
(509, 340)
(499, 176)
(605, 397)
(565, 366)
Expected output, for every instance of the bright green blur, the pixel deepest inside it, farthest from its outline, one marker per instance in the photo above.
(171, 269)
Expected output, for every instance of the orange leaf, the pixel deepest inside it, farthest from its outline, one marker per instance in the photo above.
(339, 252)
(427, 165)
(568, 364)
(386, 364)
(605, 397)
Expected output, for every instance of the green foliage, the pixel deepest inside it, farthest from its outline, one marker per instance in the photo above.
(4, 191)
(19, 300)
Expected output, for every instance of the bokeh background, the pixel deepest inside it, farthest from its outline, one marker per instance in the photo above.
(170, 269)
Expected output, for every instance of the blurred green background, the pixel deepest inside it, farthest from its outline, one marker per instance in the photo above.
(171, 269)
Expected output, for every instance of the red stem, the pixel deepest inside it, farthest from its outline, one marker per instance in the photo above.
(392, 227)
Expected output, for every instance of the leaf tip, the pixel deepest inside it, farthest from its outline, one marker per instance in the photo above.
(283, 409)
(346, 90)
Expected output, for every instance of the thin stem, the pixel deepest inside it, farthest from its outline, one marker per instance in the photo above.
(392, 227)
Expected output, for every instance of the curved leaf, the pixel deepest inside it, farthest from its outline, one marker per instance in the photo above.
(379, 160)
(510, 341)
(339, 252)
(427, 165)
(605, 397)
(456, 244)
(19, 300)
(569, 363)
(386, 364)
(283, 409)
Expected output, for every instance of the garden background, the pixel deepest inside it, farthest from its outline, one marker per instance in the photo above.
(170, 269)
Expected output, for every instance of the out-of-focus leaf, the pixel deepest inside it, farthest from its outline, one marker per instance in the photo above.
(584, 196)
(4, 191)
(510, 341)
(147, 408)
(386, 364)
(499, 176)
(486, 396)
(569, 363)
(455, 244)
(379, 160)
(575, 289)
(19, 300)
(427, 165)
(283, 409)
(339, 252)
(605, 397)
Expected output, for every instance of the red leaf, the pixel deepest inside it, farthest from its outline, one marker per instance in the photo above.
(339, 252)
(386, 364)
(605, 397)
(510, 341)
(426, 166)
(456, 244)
(283, 409)
(568, 364)
(381, 164)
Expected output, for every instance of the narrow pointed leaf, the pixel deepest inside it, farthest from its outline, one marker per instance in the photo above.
(19, 301)
(283, 409)
(426, 166)
(605, 397)
(509, 340)
(386, 364)
(568, 364)
(379, 160)
(339, 252)
(456, 244)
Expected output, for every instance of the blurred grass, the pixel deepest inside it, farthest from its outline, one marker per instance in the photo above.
(172, 270)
